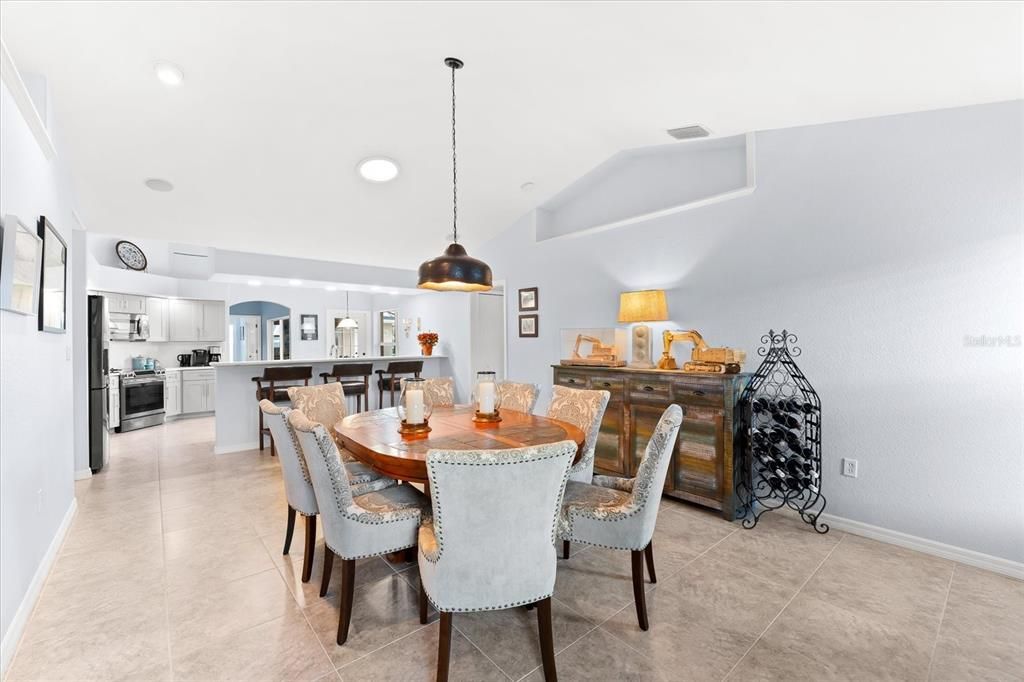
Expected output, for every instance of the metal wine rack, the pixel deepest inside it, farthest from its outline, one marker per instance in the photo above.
(780, 437)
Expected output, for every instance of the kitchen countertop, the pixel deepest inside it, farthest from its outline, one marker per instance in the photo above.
(184, 369)
(318, 361)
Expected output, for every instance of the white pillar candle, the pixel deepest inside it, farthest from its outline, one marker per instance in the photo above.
(414, 407)
(486, 400)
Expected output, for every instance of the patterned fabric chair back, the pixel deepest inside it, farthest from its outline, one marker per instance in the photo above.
(650, 475)
(518, 397)
(495, 515)
(585, 410)
(441, 390)
(297, 486)
(324, 404)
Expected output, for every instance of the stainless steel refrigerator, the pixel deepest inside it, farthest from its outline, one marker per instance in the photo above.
(99, 351)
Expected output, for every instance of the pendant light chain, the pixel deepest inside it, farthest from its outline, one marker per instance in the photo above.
(455, 175)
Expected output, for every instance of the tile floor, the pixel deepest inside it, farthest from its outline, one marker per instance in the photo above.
(173, 570)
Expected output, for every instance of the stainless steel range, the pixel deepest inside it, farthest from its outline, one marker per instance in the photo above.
(142, 399)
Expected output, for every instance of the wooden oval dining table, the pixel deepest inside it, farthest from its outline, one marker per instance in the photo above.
(373, 438)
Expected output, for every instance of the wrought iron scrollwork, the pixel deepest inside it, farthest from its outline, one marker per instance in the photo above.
(780, 437)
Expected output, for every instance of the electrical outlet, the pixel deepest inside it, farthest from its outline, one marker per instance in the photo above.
(849, 467)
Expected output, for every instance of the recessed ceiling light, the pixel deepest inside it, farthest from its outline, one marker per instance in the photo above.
(526, 186)
(254, 282)
(378, 169)
(331, 288)
(295, 282)
(159, 185)
(169, 74)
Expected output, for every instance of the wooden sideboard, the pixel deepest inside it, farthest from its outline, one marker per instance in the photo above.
(702, 468)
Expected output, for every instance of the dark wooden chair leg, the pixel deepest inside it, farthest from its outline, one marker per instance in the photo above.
(307, 558)
(328, 565)
(638, 588)
(649, 556)
(444, 647)
(261, 429)
(290, 530)
(423, 603)
(547, 641)
(348, 581)
(565, 549)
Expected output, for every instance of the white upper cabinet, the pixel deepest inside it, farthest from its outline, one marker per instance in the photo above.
(159, 321)
(125, 303)
(212, 321)
(196, 320)
(182, 318)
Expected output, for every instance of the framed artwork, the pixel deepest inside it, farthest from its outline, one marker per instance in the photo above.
(53, 298)
(308, 327)
(528, 326)
(19, 267)
(528, 299)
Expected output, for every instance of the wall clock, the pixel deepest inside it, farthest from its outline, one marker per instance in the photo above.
(131, 255)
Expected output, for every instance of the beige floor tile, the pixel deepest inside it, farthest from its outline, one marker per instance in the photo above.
(218, 565)
(368, 570)
(414, 657)
(765, 663)
(206, 612)
(779, 548)
(382, 611)
(600, 656)
(981, 634)
(846, 643)
(690, 532)
(511, 637)
(702, 620)
(202, 539)
(282, 649)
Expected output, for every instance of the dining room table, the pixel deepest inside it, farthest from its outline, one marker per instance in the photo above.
(374, 439)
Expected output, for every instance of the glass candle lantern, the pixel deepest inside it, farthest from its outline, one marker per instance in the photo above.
(414, 406)
(486, 398)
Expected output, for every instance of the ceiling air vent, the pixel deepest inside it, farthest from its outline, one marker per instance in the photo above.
(689, 132)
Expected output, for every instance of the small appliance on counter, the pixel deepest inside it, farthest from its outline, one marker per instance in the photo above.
(185, 360)
(214, 353)
(128, 326)
(200, 357)
(141, 363)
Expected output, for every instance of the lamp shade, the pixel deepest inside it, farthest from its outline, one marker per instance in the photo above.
(643, 306)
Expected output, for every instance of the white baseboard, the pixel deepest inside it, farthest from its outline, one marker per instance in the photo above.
(1013, 569)
(238, 447)
(83, 474)
(17, 628)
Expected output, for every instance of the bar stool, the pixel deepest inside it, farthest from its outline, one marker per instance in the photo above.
(360, 389)
(273, 386)
(392, 382)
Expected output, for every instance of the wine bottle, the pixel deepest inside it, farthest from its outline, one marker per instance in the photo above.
(759, 405)
(777, 435)
(787, 420)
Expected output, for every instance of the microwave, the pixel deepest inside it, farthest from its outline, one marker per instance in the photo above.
(129, 327)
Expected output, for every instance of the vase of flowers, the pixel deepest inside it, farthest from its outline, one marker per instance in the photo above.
(427, 342)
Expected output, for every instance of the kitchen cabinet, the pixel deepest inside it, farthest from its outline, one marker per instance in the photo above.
(703, 460)
(196, 320)
(172, 394)
(156, 308)
(124, 303)
(197, 391)
(113, 400)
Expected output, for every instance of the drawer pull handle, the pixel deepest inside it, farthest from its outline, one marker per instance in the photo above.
(699, 392)
(572, 381)
(648, 388)
(606, 384)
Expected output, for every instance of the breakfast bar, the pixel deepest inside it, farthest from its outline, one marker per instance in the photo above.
(236, 411)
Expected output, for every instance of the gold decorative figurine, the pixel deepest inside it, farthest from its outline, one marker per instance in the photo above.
(600, 355)
(703, 360)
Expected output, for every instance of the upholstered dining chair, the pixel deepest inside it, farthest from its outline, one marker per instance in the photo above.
(297, 485)
(273, 385)
(583, 409)
(518, 397)
(473, 561)
(355, 526)
(325, 404)
(620, 513)
(441, 390)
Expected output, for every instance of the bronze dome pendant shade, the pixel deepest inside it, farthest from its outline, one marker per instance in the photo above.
(455, 270)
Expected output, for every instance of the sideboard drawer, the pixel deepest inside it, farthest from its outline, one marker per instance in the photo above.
(571, 379)
(613, 385)
(703, 393)
(651, 390)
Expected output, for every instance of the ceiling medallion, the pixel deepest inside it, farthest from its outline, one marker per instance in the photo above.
(455, 270)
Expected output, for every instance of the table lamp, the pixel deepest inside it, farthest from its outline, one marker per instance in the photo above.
(642, 306)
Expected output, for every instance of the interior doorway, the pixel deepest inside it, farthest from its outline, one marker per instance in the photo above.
(487, 333)
(279, 338)
(245, 337)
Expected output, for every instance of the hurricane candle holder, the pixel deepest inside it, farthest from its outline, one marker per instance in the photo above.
(414, 408)
(486, 398)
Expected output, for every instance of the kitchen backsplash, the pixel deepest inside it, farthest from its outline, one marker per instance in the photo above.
(122, 352)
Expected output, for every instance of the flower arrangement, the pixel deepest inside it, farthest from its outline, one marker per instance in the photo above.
(427, 338)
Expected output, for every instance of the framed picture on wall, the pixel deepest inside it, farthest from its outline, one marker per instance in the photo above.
(53, 298)
(528, 299)
(528, 326)
(19, 267)
(308, 327)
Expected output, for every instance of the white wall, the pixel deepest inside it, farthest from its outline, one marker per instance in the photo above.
(881, 243)
(37, 421)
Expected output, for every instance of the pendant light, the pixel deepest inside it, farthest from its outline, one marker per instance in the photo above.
(455, 270)
(347, 322)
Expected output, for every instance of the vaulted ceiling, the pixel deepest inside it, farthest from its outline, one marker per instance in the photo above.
(281, 100)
